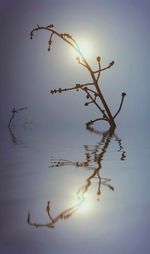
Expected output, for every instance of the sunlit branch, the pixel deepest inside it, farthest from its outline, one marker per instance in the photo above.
(79, 62)
(103, 69)
(82, 61)
(66, 214)
(64, 36)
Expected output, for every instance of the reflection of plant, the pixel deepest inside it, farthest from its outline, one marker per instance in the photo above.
(13, 112)
(14, 139)
(93, 158)
(92, 90)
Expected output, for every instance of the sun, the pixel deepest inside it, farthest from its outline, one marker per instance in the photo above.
(85, 47)
(85, 207)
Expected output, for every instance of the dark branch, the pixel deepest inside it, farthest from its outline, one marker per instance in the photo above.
(102, 111)
(14, 111)
(93, 121)
(81, 60)
(76, 87)
(121, 103)
(99, 67)
(107, 67)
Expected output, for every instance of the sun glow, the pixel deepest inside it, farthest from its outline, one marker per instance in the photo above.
(85, 207)
(85, 47)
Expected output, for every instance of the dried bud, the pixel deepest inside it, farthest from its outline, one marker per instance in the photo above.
(49, 42)
(98, 59)
(51, 26)
(98, 193)
(77, 85)
(111, 63)
(123, 94)
(89, 123)
(59, 90)
(48, 49)
(67, 35)
(51, 91)
(87, 96)
(86, 104)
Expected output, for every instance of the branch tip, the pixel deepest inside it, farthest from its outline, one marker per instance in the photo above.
(98, 58)
(111, 64)
(123, 94)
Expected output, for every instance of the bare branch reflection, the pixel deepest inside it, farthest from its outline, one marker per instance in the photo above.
(94, 155)
(15, 140)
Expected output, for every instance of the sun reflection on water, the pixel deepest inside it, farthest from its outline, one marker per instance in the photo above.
(83, 199)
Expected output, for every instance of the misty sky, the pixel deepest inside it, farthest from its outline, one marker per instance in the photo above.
(117, 29)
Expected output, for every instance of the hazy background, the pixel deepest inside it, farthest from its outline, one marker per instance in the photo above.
(118, 30)
(53, 127)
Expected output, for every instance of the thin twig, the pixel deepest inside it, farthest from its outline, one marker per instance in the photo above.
(81, 60)
(121, 103)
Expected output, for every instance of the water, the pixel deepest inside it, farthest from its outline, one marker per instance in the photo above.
(74, 191)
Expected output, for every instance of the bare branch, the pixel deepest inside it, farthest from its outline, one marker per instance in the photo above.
(102, 111)
(14, 111)
(107, 67)
(76, 87)
(121, 103)
(79, 62)
(93, 121)
(99, 67)
(82, 61)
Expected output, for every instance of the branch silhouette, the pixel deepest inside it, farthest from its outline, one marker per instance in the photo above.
(13, 112)
(93, 162)
(95, 75)
(14, 139)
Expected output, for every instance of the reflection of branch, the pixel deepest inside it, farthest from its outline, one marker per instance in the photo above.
(14, 111)
(119, 141)
(93, 162)
(66, 214)
(13, 137)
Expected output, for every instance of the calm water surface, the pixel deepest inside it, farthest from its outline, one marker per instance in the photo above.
(74, 191)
